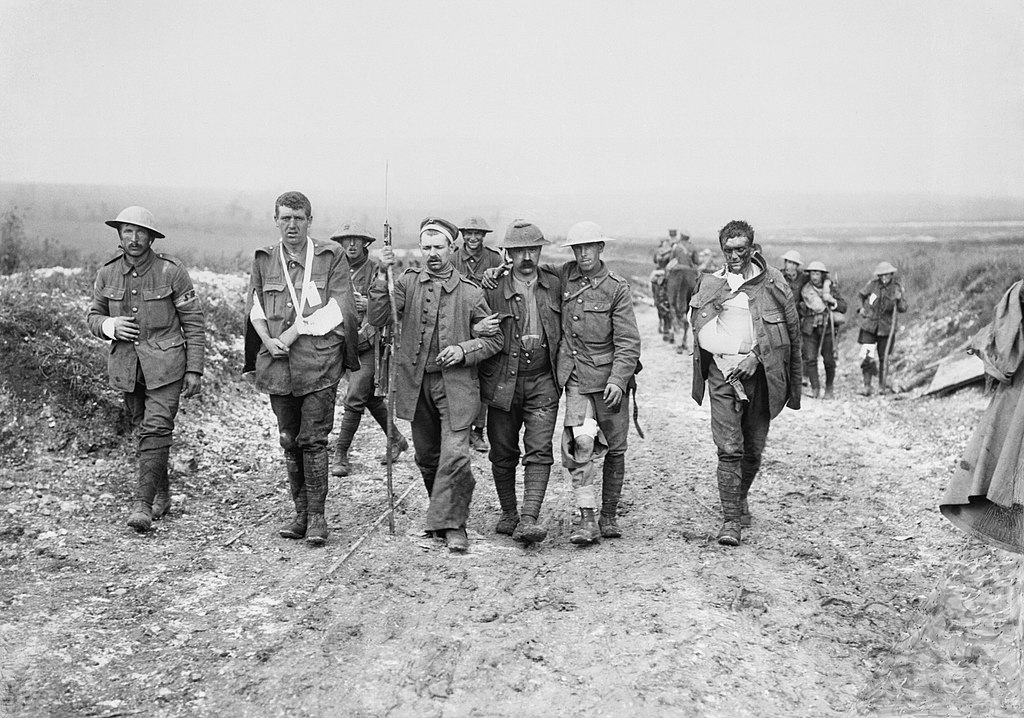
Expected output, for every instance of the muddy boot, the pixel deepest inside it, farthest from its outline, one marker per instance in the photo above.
(349, 425)
(399, 445)
(588, 531)
(535, 485)
(314, 465)
(457, 540)
(830, 378)
(152, 462)
(748, 472)
(296, 529)
(812, 377)
(477, 440)
(505, 486)
(730, 490)
(162, 500)
(611, 489)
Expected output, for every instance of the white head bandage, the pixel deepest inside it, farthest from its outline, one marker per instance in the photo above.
(436, 228)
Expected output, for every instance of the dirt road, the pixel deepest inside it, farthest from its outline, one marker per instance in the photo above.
(844, 599)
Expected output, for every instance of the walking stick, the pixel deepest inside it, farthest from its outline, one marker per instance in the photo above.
(888, 347)
(389, 338)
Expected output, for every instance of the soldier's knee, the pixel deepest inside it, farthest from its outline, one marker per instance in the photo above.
(288, 441)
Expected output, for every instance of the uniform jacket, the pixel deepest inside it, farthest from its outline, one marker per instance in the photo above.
(776, 326)
(313, 362)
(876, 317)
(807, 317)
(362, 277)
(473, 268)
(498, 373)
(453, 307)
(600, 338)
(158, 293)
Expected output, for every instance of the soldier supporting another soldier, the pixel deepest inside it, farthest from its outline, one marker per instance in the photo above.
(355, 240)
(880, 299)
(597, 358)
(519, 383)
(145, 304)
(747, 349)
(472, 259)
(436, 385)
(301, 306)
(817, 302)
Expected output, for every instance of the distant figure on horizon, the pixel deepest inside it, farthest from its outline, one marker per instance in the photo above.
(747, 350)
(145, 304)
(880, 300)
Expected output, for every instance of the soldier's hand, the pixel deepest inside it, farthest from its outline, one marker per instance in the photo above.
(360, 302)
(126, 329)
(193, 384)
(387, 256)
(746, 368)
(276, 347)
(488, 326)
(612, 396)
(491, 277)
(450, 356)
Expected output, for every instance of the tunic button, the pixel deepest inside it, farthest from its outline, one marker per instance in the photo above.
(579, 301)
(519, 299)
(135, 274)
(514, 355)
(135, 291)
(288, 304)
(575, 352)
(136, 342)
(703, 314)
(576, 318)
(135, 309)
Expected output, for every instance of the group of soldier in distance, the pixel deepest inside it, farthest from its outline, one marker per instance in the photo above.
(484, 345)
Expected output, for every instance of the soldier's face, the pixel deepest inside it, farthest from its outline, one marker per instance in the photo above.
(472, 239)
(737, 251)
(885, 279)
(790, 269)
(135, 240)
(436, 250)
(524, 259)
(355, 247)
(588, 256)
(292, 223)
(817, 278)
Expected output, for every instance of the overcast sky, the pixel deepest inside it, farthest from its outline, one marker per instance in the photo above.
(488, 98)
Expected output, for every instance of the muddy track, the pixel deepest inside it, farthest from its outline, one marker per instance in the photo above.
(212, 614)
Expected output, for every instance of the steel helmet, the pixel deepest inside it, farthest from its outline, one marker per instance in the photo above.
(585, 233)
(794, 257)
(884, 268)
(476, 224)
(139, 216)
(817, 266)
(522, 234)
(353, 229)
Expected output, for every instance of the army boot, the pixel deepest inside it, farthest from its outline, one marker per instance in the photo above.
(614, 472)
(296, 529)
(588, 531)
(866, 389)
(748, 472)
(349, 425)
(162, 500)
(151, 463)
(314, 465)
(535, 485)
(830, 379)
(730, 492)
(398, 445)
(505, 486)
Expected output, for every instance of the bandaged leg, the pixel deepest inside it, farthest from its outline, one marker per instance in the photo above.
(868, 356)
(581, 446)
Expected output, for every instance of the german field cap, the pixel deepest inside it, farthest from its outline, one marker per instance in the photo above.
(476, 224)
(585, 233)
(817, 266)
(436, 224)
(794, 257)
(139, 216)
(523, 234)
(353, 229)
(884, 268)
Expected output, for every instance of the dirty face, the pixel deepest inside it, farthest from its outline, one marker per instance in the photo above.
(293, 224)
(738, 251)
(817, 278)
(588, 256)
(436, 249)
(524, 260)
(355, 247)
(790, 269)
(473, 239)
(885, 279)
(135, 240)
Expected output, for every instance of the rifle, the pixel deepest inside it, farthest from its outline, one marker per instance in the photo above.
(384, 374)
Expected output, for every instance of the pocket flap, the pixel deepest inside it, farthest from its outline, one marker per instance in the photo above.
(169, 342)
(273, 286)
(597, 306)
(774, 316)
(157, 292)
(602, 358)
(112, 293)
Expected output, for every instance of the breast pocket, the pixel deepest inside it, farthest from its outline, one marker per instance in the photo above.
(775, 326)
(275, 300)
(115, 300)
(597, 321)
(158, 306)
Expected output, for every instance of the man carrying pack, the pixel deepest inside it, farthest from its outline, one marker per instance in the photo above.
(145, 304)
(819, 297)
(880, 300)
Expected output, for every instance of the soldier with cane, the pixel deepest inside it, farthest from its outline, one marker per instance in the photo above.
(880, 300)
(819, 298)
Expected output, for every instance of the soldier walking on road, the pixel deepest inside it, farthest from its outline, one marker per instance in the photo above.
(747, 349)
(301, 306)
(681, 278)
(355, 240)
(880, 299)
(819, 298)
(145, 304)
(473, 259)
(436, 386)
(519, 382)
(597, 358)
(791, 264)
